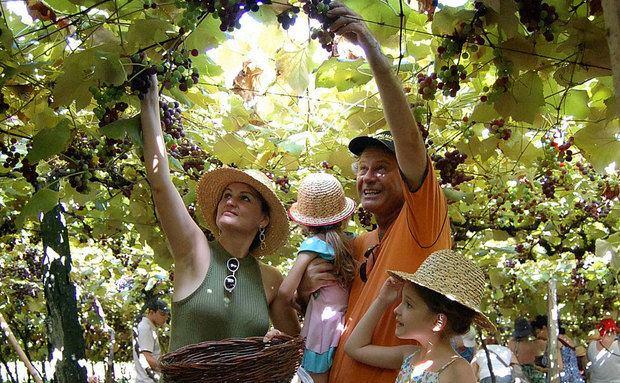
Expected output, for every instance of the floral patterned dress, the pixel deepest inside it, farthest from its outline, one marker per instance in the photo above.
(408, 374)
(570, 373)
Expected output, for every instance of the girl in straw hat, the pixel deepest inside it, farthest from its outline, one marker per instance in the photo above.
(323, 210)
(221, 290)
(440, 300)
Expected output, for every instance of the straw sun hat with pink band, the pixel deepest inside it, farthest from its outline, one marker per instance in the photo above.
(321, 201)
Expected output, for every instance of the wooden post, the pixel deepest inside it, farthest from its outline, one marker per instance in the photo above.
(20, 353)
(611, 11)
(109, 373)
(553, 376)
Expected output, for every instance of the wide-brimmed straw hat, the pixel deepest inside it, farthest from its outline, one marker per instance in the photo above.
(321, 201)
(209, 192)
(453, 276)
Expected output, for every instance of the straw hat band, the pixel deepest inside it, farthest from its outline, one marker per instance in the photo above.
(321, 201)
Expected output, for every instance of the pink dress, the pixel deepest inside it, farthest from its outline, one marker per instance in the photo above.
(324, 320)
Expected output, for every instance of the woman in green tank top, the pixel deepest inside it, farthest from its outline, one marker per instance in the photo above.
(221, 290)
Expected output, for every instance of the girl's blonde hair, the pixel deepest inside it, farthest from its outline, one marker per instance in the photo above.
(344, 263)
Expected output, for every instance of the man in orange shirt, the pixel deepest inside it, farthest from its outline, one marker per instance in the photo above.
(397, 184)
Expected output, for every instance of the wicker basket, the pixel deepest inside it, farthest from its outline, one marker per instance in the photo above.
(235, 361)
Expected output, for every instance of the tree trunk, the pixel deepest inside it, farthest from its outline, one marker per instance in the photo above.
(65, 333)
(611, 11)
(553, 376)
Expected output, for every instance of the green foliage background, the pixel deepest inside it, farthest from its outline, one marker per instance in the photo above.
(273, 100)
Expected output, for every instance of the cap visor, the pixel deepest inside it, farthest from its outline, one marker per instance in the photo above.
(358, 144)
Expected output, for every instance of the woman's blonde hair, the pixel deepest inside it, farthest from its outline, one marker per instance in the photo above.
(344, 264)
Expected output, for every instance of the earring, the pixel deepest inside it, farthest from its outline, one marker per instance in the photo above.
(220, 232)
(261, 238)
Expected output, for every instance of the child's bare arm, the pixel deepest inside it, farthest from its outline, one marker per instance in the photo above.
(291, 282)
(359, 345)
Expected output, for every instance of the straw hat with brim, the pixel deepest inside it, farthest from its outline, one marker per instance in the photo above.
(453, 276)
(321, 201)
(209, 192)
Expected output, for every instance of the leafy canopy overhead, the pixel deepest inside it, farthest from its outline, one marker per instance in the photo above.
(520, 125)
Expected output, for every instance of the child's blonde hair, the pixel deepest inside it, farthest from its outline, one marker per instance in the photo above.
(344, 263)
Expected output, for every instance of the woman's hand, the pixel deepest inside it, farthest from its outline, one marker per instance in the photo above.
(152, 95)
(272, 334)
(390, 290)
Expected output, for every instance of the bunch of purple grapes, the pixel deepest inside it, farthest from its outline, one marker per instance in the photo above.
(548, 184)
(448, 167)
(317, 10)
(537, 17)
(427, 85)
(12, 156)
(288, 17)
(227, 11)
(450, 79)
(139, 82)
(497, 128)
(171, 119)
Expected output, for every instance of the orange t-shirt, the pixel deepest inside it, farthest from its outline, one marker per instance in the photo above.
(421, 228)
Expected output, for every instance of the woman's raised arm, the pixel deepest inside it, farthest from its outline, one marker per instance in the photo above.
(183, 234)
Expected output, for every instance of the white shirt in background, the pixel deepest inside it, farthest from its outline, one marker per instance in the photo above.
(145, 340)
(499, 369)
(605, 366)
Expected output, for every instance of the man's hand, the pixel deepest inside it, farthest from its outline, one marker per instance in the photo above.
(319, 273)
(351, 26)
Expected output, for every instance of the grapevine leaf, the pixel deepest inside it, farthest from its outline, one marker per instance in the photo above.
(508, 22)
(342, 75)
(50, 141)
(520, 51)
(229, 149)
(293, 67)
(41, 202)
(600, 144)
(446, 20)
(145, 32)
(576, 104)
(523, 102)
(40, 114)
(64, 6)
(381, 13)
(85, 69)
(206, 36)
(123, 127)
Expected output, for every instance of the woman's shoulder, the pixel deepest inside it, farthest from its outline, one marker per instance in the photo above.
(458, 371)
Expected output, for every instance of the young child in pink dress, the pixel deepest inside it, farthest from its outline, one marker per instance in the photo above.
(323, 211)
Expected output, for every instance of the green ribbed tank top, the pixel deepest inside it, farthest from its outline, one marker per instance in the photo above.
(212, 313)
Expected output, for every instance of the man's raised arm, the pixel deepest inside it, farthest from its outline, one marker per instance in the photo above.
(410, 149)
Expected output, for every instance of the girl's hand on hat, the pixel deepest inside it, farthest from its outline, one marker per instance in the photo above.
(390, 290)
